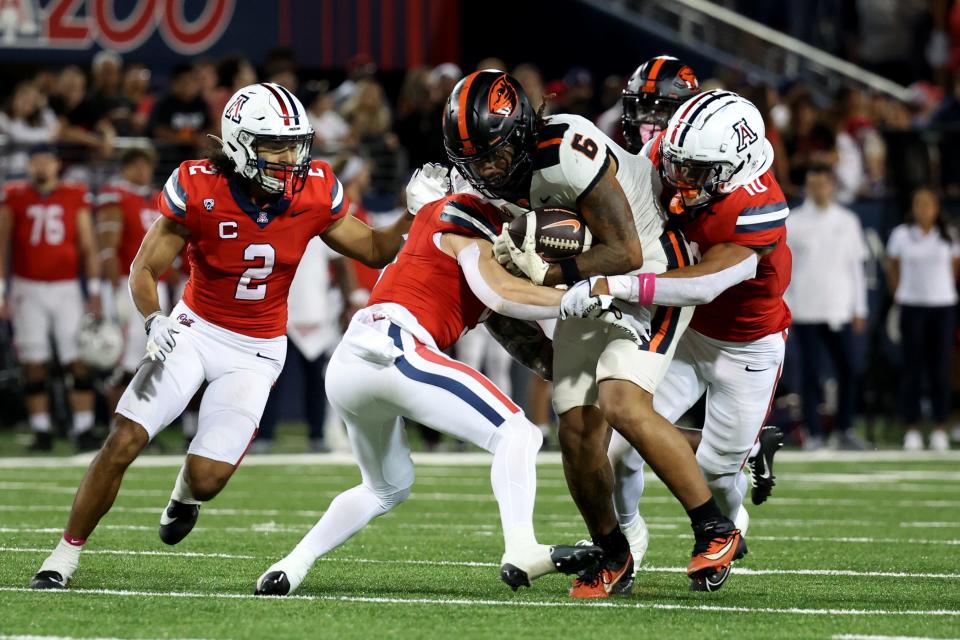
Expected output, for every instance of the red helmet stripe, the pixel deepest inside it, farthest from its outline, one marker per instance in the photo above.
(690, 105)
(283, 105)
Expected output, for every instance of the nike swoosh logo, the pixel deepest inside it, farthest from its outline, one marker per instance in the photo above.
(575, 224)
(260, 355)
(296, 213)
(721, 553)
(766, 475)
(747, 368)
(544, 200)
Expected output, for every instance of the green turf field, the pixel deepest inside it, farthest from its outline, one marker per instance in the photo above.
(844, 549)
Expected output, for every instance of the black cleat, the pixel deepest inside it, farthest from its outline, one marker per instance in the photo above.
(48, 580)
(275, 583)
(761, 466)
(177, 520)
(42, 442)
(566, 559)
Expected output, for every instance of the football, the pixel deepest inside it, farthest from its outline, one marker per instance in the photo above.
(560, 233)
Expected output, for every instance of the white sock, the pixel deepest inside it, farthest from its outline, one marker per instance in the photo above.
(754, 450)
(64, 559)
(627, 490)
(40, 422)
(189, 421)
(82, 422)
(513, 474)
(347, 514)
(181, 488)
(728, 489)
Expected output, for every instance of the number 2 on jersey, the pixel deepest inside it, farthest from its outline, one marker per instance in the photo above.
(255, 252)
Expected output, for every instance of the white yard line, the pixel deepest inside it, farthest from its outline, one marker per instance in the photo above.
(468, 602)
(469, 459)
(469, 563)
(857, 636)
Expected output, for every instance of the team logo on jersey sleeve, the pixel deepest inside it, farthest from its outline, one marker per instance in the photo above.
(502, 99)
(745, 135)
(208, 204)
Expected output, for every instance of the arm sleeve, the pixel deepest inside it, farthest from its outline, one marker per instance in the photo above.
(761, 227)
(895, 243)
(582, 158)
(469, 260)
(685, 292)
(174, 198)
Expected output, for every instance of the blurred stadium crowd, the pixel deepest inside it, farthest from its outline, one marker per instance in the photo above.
(873, 182)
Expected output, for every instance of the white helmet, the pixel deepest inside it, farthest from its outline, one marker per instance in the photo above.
(99, 343)
(267, 117)
(714, 143)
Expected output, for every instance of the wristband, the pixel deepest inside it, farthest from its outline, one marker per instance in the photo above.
(570, 271)
(93, 286)
(149, 319)
(648, 283)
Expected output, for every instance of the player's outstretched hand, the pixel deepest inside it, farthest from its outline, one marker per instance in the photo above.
(580, 302)
(428, 183)
(161, 330)
(524, 257)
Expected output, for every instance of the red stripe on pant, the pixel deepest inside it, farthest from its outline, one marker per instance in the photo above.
(430, 355)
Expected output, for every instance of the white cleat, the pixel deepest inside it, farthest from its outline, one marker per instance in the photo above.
(519, 568)
(638, 536)
(742, 521)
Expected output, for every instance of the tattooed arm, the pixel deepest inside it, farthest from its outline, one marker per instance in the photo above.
(616, 244)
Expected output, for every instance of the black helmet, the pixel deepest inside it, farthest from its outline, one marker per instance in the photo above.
(488, 116)
(653, 93)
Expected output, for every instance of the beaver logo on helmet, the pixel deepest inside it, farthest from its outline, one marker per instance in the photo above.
(689, 78)
(502, 99)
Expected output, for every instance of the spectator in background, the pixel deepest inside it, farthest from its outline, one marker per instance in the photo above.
(24, 122)
(530, 78)
(106, 96)
(491, 62)
(181, 117)
(578, 98)
(85, 134)
(922, 265)
(360, 67)
(808, 141)
(420, 117)
(828, 298)
(332, 133)
(355, 177)
(368, 113)
(136, 92)
(609, 120)
(206, 72)
(233, 73)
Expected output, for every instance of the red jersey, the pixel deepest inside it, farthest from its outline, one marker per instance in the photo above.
(753, 215)
(428, 282)
(243, 257)
(138, 205)
(44, 234)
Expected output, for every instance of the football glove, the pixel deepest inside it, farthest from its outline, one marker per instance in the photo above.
(524, 257)
(430, 182)
(161, 330)
(580, 302)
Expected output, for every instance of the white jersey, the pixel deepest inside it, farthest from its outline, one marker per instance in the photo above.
(572, 154)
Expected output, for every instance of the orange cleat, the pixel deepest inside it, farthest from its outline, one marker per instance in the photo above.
(606, 580)
(718, 544)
